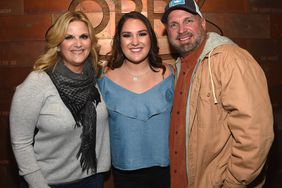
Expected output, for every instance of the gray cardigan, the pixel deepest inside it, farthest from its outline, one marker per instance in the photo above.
(51, 157)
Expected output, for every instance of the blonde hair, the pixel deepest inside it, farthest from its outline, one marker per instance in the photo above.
(55, 36)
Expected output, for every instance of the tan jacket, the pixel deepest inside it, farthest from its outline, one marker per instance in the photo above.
(229, 118)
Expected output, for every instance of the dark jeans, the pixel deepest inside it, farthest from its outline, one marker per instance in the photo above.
(153, 177)
(94, 181)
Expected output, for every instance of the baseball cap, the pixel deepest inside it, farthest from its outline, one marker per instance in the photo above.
(187, 5)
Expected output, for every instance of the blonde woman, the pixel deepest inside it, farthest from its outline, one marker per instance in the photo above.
(58, 120)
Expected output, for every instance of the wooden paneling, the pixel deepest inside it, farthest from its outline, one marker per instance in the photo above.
(242, 25)
(127, 6)
(266, 51)
(6, 95)
(276, 99)
(45, 6)
(20, 53)
(273, 74)
(9, 175)
(10, 77)
(158, 6)
(13, 76)
(8, 169)
(20, 28)
(12, 7)
(223, 6)
(276, 26)
(5, 146)
(3, 173)
(263, 6)
(241, 42)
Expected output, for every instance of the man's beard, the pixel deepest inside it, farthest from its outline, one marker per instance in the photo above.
(187, 48)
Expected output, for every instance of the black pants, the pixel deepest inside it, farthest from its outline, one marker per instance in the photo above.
(94, 181)
(153, 177)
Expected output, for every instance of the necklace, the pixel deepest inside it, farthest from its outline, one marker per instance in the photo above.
(136, 77)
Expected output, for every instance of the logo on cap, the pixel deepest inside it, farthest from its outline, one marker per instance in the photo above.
(176, 2)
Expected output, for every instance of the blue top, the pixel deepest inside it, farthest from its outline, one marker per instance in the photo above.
(139, 124)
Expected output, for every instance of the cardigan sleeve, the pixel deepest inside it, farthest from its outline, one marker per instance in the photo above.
(25, 109)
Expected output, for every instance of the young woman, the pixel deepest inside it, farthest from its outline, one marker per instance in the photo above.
(58, 120)
(138, 91)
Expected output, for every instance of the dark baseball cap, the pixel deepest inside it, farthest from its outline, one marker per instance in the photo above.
(187, 5)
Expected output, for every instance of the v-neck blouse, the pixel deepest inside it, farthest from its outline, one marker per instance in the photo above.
(139, 123)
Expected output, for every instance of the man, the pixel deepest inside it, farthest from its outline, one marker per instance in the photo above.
(222, 123)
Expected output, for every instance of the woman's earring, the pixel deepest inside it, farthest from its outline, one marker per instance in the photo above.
(58, 49)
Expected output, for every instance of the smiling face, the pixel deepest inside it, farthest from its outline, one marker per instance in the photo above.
(185, 31)
(135, 41)
(76, 46)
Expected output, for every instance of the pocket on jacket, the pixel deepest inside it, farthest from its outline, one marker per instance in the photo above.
(209, 113)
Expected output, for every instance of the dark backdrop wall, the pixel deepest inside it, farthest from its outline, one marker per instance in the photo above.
(254, 24)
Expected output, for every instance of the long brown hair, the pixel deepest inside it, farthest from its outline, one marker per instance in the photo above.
(116, 56)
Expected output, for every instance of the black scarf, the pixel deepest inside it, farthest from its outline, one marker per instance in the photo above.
(80, 95)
